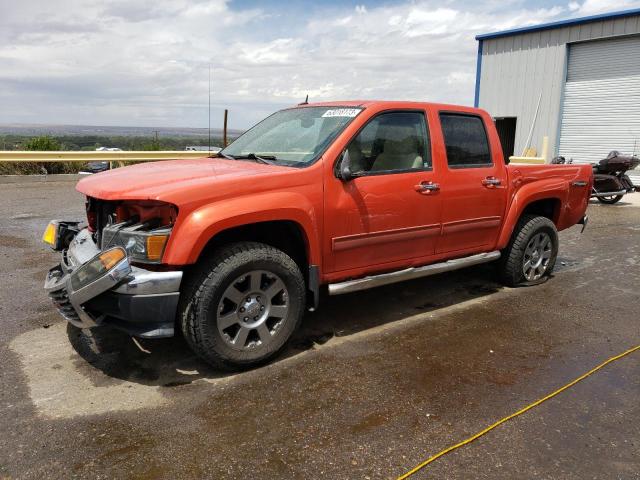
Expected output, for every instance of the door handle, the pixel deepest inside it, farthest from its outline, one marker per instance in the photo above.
(427, 187)
(491, 182)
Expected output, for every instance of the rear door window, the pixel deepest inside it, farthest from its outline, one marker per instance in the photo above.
(466, 141)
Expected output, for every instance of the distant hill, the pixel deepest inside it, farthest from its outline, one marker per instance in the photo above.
(109, 131)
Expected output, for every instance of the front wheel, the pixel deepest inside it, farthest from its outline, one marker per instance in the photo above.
(241, 306)
(610, 200)
(531, 254)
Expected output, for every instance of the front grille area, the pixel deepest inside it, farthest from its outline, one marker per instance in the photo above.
(61, 301)
(99, 214)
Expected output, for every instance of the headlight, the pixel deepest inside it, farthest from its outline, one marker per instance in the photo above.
(97, 267)
(59, 234)
(141, 246)
(51, 234)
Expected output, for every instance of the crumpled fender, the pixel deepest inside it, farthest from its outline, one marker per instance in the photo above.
(550, 188)
(191, 234)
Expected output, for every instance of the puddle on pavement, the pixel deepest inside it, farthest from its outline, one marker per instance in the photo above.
(73, 372)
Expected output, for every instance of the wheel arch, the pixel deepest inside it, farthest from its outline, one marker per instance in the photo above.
(285, 235)
(534, 199)
(268, 216)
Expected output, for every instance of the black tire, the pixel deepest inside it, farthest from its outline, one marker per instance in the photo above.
(512, 263)
(201, 314)
(610, 200)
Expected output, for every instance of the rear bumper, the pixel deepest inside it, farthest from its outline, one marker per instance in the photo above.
(141, 302)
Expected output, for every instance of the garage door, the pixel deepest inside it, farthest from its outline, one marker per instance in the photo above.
(601, 110)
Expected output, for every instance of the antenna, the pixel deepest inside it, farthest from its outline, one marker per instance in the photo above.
(209, 108)
(306, 101)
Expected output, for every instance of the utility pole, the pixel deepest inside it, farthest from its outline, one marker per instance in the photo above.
(224, 131)
(209, 115)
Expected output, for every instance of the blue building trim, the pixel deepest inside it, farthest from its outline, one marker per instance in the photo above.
(561, 23)
(476, 101)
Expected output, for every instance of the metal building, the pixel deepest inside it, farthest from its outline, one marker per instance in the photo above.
(582, 76)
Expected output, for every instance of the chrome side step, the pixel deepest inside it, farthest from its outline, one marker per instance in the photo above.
(411, 273)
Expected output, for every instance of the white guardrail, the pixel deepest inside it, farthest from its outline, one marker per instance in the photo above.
(92, 156)
(121, 158)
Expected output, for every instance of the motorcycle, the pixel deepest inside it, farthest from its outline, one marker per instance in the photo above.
(610, 180)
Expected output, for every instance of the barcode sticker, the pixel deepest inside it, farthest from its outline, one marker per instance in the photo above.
(342, 112)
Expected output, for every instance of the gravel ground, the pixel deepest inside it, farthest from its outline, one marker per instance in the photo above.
(373, 384)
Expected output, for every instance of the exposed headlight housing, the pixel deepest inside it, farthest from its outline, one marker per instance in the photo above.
(59, 234)
(143, 246)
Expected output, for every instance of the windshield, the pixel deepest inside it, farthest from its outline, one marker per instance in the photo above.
(294, 137)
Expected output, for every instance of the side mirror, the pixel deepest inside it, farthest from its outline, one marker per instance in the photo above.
(344, 168)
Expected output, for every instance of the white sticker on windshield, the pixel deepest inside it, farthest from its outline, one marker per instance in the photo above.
(342, 112)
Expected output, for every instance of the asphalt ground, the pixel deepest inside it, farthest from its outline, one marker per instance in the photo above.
(374, 383)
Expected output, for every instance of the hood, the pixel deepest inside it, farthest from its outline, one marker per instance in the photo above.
(154, 180)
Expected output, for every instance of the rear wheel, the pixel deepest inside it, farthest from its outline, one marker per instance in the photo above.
(241, 306)
(610, 200)
(531, 255)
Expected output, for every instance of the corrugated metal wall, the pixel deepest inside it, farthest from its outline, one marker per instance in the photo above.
(520, 69)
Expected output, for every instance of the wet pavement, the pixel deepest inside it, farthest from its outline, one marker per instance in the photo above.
(374, 383)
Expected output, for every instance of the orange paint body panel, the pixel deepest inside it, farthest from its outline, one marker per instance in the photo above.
(367, 225)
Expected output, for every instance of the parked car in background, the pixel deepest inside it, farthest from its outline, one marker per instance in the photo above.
(341, 196)
(94, 167)
(202, 148)
(97, 167)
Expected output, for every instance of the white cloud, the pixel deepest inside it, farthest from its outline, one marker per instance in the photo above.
(145, 62)
(590, 7)
(276, 51)
(421, 22)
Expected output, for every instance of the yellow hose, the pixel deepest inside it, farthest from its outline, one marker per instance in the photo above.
(519, 412)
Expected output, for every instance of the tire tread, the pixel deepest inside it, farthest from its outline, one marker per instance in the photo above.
(510, 263)
(210, 270)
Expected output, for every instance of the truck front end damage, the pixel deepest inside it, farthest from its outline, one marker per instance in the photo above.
(110, 273)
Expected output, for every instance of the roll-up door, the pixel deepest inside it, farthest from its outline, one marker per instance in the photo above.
(601, 110)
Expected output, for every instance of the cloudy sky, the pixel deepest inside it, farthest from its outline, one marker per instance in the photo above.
(145, 62)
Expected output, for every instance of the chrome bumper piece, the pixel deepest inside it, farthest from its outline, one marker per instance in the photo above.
(583, 221)
(70, 302)
(130, 298)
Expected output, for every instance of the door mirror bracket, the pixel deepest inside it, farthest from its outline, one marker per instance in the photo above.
(343, 170)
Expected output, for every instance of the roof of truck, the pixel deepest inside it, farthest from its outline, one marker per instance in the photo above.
(388, 104)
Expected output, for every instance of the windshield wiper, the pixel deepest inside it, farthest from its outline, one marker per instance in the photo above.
(266, 159)
(228, 157)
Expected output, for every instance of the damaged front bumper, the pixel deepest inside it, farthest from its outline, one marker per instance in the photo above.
(141, 302)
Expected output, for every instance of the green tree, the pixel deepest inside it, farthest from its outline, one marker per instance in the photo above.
(44, 143)
(47, 144)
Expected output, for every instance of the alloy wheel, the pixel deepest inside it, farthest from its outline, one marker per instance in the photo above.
(537, 256)
(252, 309)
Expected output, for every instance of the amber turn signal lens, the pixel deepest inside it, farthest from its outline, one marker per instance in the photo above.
(110, 258)
(155, 246)
(49, 236)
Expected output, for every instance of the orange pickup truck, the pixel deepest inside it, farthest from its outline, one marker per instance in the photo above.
(339, 196)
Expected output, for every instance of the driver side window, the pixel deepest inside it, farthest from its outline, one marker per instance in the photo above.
(391, 142)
